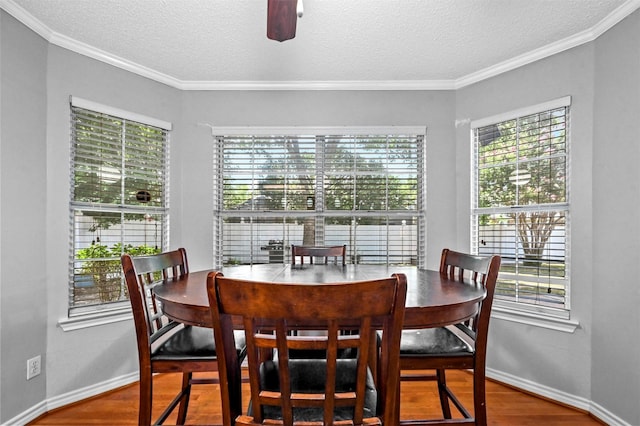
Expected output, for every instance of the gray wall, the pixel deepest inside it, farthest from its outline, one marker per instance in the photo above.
(77, 359)
(616, 226)
(23, 284)
(194, 152)
(35, 83)
(603, 79)
(556, 359)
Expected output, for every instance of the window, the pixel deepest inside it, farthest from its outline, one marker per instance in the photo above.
(119, 164)
(521, 204)
(359, 188)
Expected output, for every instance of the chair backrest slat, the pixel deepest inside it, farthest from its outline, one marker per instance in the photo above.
(319, 313)
(478, 270)
(318, 251)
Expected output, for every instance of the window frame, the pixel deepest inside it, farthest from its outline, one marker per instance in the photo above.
(78, 315)
(219, 214)
(546, 316)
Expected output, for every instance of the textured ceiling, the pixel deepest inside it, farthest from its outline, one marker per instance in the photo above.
(389, 43)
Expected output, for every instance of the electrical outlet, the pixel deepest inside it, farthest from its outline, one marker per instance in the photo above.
(33, 367)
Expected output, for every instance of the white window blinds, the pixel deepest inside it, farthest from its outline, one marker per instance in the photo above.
(521, 204)
(362, 190)
(118, 201)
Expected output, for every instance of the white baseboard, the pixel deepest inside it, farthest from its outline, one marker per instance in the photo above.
(71, 397)
(26, 416)
(562, 397)
(607, 416)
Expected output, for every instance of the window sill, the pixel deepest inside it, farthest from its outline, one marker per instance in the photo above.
(95, 319)
(564, 325)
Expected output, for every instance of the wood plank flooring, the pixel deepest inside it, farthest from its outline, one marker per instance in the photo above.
(506, 405)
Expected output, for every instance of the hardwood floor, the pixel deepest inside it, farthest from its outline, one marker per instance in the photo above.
(506, 406)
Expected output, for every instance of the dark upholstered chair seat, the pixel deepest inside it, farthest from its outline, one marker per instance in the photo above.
(309, 376)
(193, 342)
(433, 341)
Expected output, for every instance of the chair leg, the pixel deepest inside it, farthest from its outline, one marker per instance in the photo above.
(184, 402)
(146, 396)
(479, 398)
(442, 391)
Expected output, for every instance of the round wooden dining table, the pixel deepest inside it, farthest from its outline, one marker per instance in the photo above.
(433, 300)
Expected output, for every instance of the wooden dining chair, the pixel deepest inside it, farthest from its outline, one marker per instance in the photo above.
(463, 346)
(318, 251)
(166, 346)
(291, 391)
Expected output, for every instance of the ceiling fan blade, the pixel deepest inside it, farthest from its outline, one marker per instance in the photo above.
(281, 19)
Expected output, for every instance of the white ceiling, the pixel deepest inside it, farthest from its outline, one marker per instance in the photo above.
(340, 44)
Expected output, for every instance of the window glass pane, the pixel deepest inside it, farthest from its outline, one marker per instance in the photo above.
(98, 245)
(381, 240)
(339, 192)
(265, 173)
(494, 187)
(496, 143)
(533, 265)
(97, 158)
(238, 194)
(339, 153)
(403, 192)
(542, 181)
(371, 153)
(371, 192)
(260, 239)
(268, 239)
(144, 163)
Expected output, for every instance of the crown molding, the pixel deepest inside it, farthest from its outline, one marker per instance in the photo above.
(535, 55)
(576, 40)
(626, 9)
(524, 59)
(26, 18)
(320, 85)
(111, 59)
